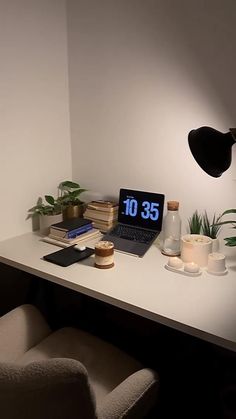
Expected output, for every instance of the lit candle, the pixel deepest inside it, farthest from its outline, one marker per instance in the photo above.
(191, 267)
(175, 262)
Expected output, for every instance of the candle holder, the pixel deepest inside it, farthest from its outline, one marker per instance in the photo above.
(196, 248)
(176, 265)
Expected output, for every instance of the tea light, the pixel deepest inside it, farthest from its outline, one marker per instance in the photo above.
(191, 267)
(175, 262)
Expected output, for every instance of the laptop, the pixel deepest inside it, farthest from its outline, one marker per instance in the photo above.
(140, 217)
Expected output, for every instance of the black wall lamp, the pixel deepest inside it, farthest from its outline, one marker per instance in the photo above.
(212, 149)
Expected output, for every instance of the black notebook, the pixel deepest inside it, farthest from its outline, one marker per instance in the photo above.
(71, 224)
(68, 256)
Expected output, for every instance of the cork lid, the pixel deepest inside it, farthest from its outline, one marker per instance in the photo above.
(173, 205)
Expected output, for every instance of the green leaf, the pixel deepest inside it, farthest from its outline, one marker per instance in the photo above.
(69, 184)
(64, 199)
(206, 230)
(82, 190)
(195, 223)
(230, 241)
(49, 199)
(229, 211)
(40, 201)
(33, 209)
(224, 222)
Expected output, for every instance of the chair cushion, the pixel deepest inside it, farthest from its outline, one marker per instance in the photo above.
(107, 366)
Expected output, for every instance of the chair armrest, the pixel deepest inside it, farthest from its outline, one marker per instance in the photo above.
(20, 329)
(133, 398)
(51, 389)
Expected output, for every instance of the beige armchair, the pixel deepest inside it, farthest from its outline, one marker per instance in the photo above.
(67, 374)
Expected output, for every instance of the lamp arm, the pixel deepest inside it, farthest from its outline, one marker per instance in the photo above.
(233, 133)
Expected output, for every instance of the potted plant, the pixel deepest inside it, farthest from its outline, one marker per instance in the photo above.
(195, 223)
(230, 241)
(49, 211)
(211, 229)
(69, 198)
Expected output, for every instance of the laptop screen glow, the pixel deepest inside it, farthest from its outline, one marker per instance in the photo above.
(141, 209)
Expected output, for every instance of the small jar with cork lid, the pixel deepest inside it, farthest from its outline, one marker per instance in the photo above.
(172, 230)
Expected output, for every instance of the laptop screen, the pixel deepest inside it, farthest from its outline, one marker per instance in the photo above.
(141, 209)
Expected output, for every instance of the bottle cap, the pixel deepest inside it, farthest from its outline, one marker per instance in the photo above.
(173, 205)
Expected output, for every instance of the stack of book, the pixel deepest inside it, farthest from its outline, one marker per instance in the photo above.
(72, 231)
(103, 214)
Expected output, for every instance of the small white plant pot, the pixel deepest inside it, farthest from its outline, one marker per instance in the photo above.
(196, 248)
(215, 245)
(45, 222)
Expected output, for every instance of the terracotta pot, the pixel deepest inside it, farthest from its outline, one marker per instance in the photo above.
(73, 211)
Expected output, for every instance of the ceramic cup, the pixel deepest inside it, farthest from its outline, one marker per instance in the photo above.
(216, 263)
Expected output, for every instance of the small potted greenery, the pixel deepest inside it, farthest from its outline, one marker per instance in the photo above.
(51, 207)
(49, 211)
(195, 223)
(211, 229)
(230, 241)
(69, 199)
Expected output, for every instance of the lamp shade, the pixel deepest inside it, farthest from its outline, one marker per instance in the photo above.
(212, 149)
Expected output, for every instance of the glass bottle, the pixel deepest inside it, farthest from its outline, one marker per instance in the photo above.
(172, 230)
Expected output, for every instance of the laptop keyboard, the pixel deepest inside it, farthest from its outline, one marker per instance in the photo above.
(130, 233)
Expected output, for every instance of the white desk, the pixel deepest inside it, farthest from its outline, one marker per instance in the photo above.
(203, 306)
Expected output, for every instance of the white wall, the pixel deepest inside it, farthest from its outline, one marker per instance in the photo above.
(34, 113)
(142, 75)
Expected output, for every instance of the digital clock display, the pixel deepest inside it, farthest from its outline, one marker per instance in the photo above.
(142, 209)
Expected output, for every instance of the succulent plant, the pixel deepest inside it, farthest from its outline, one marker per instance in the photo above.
(210, 228)
(195, 223)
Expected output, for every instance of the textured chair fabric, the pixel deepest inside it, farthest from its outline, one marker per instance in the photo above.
(67, 373)
(107, 366)
(52, 389)
(20, 329)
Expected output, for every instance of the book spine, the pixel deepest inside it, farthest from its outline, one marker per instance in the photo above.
(94, 215)
(74, 233)
(103, 209)
(93, 233)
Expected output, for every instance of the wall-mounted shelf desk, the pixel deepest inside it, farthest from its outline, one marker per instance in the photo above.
(203, 306)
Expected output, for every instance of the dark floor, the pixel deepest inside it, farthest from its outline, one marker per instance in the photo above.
(198, 380)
